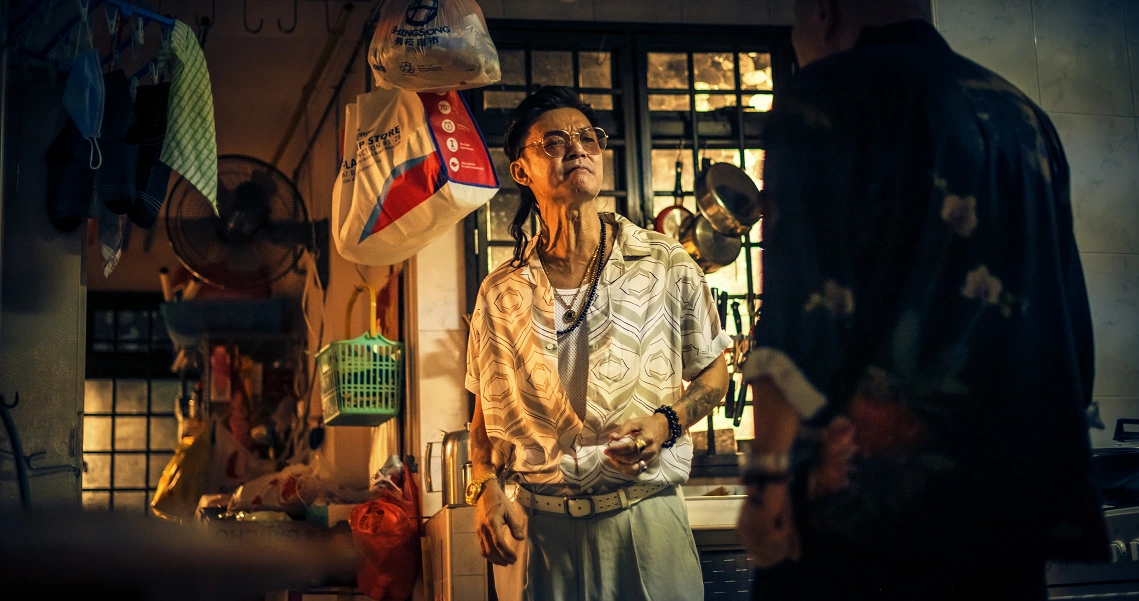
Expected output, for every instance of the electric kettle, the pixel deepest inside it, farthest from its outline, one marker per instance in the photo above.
(456, 467)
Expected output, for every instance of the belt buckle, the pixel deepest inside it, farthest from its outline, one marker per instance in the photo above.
(570, 512)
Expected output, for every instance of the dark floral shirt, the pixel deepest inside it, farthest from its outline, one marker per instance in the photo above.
(921, 271)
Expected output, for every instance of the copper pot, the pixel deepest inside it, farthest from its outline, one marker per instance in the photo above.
(711, 249)
(728, 199)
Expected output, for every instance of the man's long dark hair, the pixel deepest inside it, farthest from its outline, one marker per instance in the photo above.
(547, 99)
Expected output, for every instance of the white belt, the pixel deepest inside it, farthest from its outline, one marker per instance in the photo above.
(585, 506)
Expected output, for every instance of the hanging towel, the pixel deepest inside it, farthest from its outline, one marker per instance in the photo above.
(190, 146)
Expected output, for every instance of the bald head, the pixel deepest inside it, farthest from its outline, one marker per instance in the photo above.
(826, 27)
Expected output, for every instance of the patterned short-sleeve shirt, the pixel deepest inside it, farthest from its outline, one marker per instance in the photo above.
(652, 326)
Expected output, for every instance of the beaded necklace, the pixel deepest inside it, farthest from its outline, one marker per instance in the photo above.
(592, 286)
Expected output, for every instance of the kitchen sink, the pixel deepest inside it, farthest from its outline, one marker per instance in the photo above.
(714, 512)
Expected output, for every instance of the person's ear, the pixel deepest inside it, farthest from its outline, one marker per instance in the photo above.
(518, 173)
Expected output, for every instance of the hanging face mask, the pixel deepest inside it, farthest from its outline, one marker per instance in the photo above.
(83, 99)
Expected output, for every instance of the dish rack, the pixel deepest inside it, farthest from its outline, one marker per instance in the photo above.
(361, 380)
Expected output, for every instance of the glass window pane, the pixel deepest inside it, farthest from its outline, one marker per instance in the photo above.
(501, 210)
(609, 165)
(158, 327)
(668, 102)
(757, 269)
(495, 99)
(97, 396)
(607, 204)
(668, 70)
(595, 69)
(96, 501)
(513, 66)
(598, 102)
(133, 325)
(731, 278)
(163, 433)
(96, 434)
(756, 234)
(664, 170)
(134, 502)
(759, 102)
(711, 102)
(755, 71)
(714, 71)
(103, 347)
(753, 165)
(501, 166)
(551, 68)
(130, 397)
(164, 395)
(721, 155)
(158, 462)
(104, 325)
(130, 433)
(130, 470)
(98, 474)
(499, 255)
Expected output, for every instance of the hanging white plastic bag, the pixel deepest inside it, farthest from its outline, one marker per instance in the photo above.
(433, 46)
(414, 165)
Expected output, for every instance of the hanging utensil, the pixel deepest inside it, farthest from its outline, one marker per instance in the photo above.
(670, 219)
(710, 249)
(741, 346)
(728, 198)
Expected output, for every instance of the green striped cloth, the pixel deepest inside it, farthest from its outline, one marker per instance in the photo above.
(191, 147)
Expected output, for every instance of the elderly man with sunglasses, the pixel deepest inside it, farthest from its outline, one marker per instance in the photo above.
(579, 350)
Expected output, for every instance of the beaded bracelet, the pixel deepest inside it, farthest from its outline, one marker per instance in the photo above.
(674, 429)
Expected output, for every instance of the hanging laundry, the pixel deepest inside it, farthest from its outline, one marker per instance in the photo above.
(190, 147)
(70, 179)
(83, 98)
(116, 179)
(148, 131)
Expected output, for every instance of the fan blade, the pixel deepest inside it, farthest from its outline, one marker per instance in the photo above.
(203, 245)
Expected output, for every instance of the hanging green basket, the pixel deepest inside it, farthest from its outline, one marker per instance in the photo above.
(361, 380)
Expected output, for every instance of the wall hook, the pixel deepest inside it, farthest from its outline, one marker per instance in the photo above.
(205, 23)
(245, 18)
(289, 29)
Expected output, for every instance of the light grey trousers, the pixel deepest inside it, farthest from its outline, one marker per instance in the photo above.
(643, 553)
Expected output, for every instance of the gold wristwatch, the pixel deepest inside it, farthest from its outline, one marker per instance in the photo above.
(475, 488)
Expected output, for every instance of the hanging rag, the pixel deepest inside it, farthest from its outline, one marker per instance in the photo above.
(190, 146)
(116, 180)
(149, 131)
(110, 237)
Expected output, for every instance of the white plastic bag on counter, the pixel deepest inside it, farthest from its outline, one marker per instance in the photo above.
(433, 46)
(414, 165)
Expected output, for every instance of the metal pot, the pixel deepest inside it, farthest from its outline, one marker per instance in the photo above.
(456, 467)
(728, 199)
(711, 249)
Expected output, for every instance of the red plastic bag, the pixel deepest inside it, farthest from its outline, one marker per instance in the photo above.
(386, 534)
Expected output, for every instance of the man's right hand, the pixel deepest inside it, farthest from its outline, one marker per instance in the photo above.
(494, 515)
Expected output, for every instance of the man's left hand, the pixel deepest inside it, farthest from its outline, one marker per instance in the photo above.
(623, 443)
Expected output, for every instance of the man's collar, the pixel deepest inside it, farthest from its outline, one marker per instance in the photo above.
(631, 243)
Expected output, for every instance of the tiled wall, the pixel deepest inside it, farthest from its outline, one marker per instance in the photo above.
(1079, 59)
(738, 12)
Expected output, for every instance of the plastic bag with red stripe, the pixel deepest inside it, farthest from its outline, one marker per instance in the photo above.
(414, 165)
(385, 533)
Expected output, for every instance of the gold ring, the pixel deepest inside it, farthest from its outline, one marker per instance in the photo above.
(640, 445)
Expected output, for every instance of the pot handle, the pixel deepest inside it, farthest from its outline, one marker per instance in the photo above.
(427, 480)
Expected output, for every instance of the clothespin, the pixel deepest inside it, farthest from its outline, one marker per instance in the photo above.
(113, 21)
(154, 73)
(140, 31)
(134, 88)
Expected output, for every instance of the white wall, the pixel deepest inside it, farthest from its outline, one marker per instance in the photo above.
(1079, 59)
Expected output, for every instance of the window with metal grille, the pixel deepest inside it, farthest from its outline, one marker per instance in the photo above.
(130, 429)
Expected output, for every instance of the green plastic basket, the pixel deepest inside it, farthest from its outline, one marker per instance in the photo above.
(361, 380)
